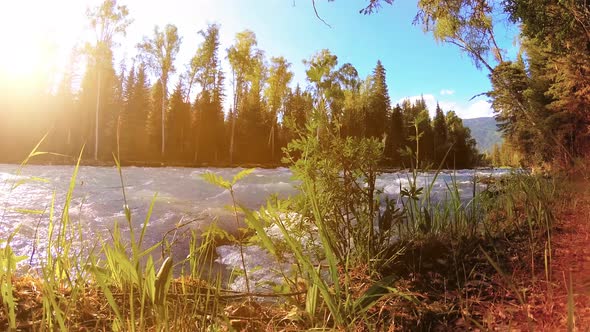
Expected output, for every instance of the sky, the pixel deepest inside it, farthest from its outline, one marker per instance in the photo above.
(41, 32)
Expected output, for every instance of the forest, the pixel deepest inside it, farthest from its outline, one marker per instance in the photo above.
(136, 110)
(356, 243)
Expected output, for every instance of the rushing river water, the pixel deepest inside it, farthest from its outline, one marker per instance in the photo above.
(182, 196)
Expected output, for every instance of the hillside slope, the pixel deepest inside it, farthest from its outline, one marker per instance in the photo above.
(485, 132)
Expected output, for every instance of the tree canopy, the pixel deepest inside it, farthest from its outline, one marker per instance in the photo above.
(142, 112)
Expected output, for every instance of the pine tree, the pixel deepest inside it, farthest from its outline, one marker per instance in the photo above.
(154, 121)
(177, 124)
(440, 135)
(126, 134)
(427, 139)
(379, 103)
(138, 124)
(66, 138)
(251, 130)
(208, 126)
(396, 137)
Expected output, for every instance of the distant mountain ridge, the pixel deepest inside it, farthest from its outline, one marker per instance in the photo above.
(485, 132)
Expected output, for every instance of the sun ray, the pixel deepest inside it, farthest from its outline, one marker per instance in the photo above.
(36, 35)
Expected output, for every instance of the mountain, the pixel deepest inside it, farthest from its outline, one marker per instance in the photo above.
(485, 132)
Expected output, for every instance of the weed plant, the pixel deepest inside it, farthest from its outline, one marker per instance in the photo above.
(336, 232)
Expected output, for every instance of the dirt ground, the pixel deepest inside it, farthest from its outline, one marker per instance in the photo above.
(545, 305)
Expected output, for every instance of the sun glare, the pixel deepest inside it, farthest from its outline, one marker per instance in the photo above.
(34, 34)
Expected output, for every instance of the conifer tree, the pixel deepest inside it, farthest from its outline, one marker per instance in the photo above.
(177, 124)
(440, 135)
(139, 109)
(160, 52)
(66, 137)
(427, 139)
(396, 137)
(154, 121)
(379, 103)
(298, 107)
(205, 69)
(125, 121)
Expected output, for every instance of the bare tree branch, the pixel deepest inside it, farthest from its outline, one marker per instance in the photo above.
(318, 15)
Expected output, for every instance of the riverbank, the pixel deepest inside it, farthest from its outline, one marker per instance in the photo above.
(556, 298)
(158, 164)
(434, 280)
(151, 164)
(53, 160)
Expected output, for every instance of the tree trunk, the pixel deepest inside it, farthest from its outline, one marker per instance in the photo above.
(96, 117)
(271, 141)
(163, 118)
(231, 141)
(198, 134)
(233, 113)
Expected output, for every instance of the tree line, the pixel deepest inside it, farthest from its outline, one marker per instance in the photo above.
(503, 155)
(129, 110)
(542, 95)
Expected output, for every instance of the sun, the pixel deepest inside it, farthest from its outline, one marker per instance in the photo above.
(22, 52)
(34, 34)
(22, 61)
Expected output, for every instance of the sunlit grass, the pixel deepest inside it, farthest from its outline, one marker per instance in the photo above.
(135, 290)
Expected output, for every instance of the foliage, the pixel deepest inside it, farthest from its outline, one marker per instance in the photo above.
(541, 96)
(221, 182)
(335, 130)
(159, 53)
(207, 114)
(502, 155)
(8, 261)
(132, 112)
(108, 20)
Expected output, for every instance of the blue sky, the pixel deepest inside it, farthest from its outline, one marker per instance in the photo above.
(416, 64)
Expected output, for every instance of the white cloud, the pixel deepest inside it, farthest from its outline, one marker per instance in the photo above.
(446, 92)
(477, 109)
(466, 110)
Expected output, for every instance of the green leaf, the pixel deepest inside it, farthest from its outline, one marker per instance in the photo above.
(102, 282)
(163, 281)
(242, 174)
(149, 250)
(216, 180)
(374, 293)
(258, 226)
(28, 211)
(150, 279)
(146, 221)
(311, 300)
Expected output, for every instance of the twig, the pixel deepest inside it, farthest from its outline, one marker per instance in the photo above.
(478, 95)
(318, 15)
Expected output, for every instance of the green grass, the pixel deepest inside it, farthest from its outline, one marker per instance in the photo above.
(355, 272)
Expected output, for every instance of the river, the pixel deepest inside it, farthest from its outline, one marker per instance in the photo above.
(182, 195)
